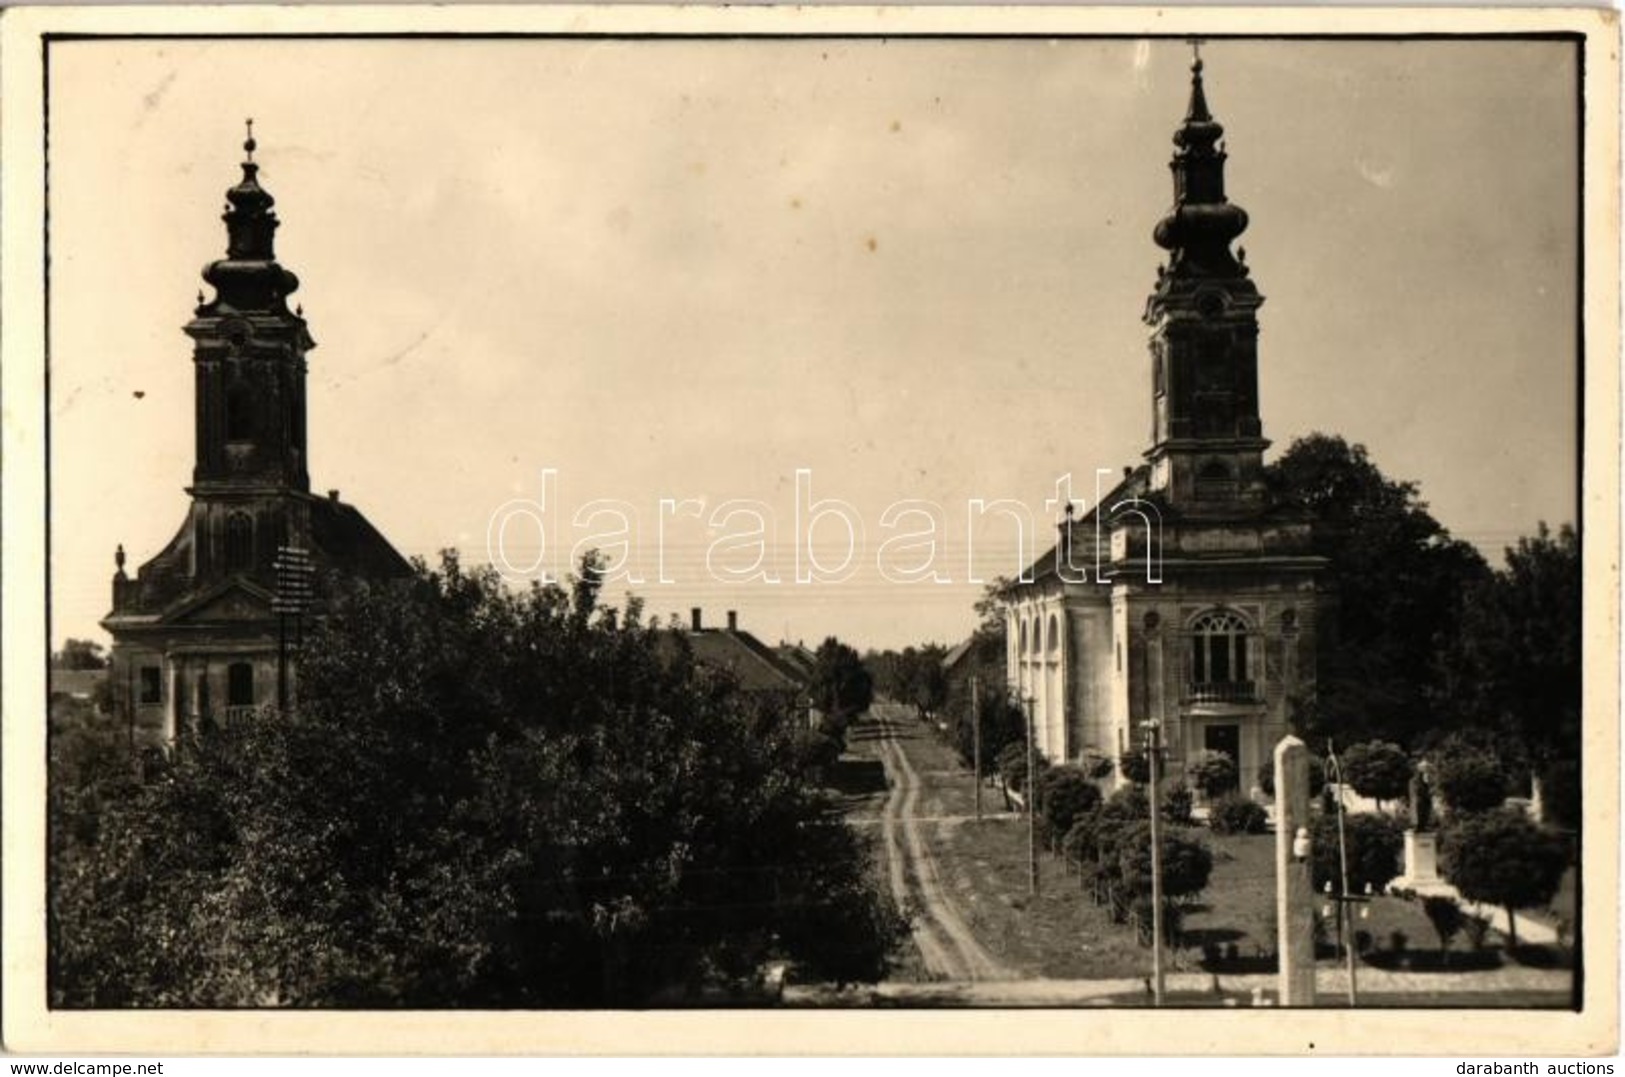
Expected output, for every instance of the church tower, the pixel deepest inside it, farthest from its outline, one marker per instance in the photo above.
(1200, 620)
(1207, 444)
(249, 353)
(199, 634)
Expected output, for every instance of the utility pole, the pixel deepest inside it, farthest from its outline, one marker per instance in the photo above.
(1032, 806)
(294, 573)
(976, 742)
(1153, 751)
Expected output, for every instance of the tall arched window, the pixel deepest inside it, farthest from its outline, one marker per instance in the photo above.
(1219, 653)
(239, 542)
(1052, 645)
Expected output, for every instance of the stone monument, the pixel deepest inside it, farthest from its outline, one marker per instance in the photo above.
(1421, 842)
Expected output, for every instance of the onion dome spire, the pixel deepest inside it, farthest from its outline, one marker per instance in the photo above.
(249, 278)
(1200, 226)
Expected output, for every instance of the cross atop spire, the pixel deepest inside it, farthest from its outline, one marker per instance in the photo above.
(1198, 111)
(250, 145)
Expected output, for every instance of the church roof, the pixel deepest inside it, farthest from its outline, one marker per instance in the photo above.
(1134, 484)
(342, 541)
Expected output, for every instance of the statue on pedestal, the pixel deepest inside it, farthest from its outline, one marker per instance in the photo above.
(1421, 797)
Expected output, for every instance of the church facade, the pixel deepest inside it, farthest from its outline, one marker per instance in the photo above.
(200, 632)
(1186, 596)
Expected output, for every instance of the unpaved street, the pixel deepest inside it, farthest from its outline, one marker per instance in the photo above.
(949, 948)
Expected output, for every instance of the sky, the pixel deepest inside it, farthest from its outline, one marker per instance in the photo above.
(754, 275)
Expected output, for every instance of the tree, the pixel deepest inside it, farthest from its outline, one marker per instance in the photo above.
(1502, 858)
(1378, 770)
(1186, 866)
(484, 799)
(1065, 794)
(80, 654)
(984, 664)
(1013, 766)
(1400, 581)
(1471, 779)
(841, 687)
(1446, 917)
(1375, 847)
(1002, 723)
(1515, 663)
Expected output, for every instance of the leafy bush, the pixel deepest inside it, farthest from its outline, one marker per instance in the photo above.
(1186, 863)
(1177, 803)
(1502, 858)
(1214, 773)
(1471, 780)
(1096, 765)
(1136, 767)
(1445, 914)
(1237, 815)
(1377, 769)
(1064, 795)
(1376, 844)
(1013, 767)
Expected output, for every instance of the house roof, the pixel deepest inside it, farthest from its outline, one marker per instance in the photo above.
(750, 661)
(957, 655)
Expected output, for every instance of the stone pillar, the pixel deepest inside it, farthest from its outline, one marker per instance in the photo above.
(1294, 895)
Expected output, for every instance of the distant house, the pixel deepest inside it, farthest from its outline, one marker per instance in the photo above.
(761, 672)
(798, 658)
(959, 663)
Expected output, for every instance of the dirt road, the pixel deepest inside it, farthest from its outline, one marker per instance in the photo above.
(947, 945)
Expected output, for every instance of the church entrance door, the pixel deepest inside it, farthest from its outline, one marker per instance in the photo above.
(1226, 739)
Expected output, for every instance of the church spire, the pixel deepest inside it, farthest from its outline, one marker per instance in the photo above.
(249, 354)
(249, 278)
(1198, 230)
(1207, 438)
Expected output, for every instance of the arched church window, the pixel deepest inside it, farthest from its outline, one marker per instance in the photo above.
(1219, 654)
(239, 542)
(239, 413)
(1023, 648)
(1053, 644)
